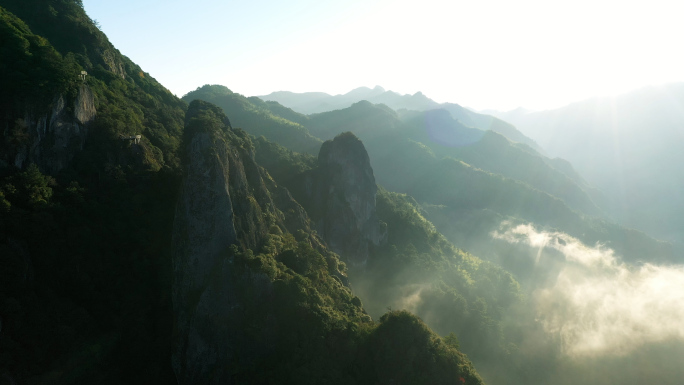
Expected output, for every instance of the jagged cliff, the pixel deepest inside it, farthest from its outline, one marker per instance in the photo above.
(340, 195)
(218, 206)
(49, 108)
(255, 296)
(226, 199)
(254, 304)
(51, 138)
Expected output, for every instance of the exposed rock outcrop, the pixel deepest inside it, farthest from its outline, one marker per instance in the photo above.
(112, 59)
(51, 138)
(226, 199)
(341, 194)
(215, 210)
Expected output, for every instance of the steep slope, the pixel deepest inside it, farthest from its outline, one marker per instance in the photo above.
(364, 119)
(496, 154)
(386, 134)
(628, 146)
(505, 179)
(257, 118)
(84, 255)
(489, 122)
(339, 193)
(472, 204)
(283, 314)
(416, 268)
(478, 305)
(50, 111)
(37, 129)
(31, 113)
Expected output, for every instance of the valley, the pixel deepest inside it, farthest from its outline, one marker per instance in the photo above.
(361, 238)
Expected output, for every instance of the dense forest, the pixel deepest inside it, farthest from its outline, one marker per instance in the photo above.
(217, 238)
(87, 234)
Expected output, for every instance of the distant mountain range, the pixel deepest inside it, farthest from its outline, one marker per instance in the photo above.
(499, 178)
(317, 102)
(628, 146)
(227, 240)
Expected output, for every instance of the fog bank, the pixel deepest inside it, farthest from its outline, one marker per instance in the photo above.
(598, 305)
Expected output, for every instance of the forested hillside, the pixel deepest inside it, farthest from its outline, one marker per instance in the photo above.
(477, 210)
(271, 120)
(93, 236)
(224, 239)
(486, 172)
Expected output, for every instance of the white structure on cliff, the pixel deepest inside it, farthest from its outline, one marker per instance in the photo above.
(135, 139)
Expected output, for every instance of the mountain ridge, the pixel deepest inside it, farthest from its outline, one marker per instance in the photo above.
(102, 281)
(316, 102)
(184, 256)
(628, 146)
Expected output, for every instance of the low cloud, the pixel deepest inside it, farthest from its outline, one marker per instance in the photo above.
(411, 297)
(599, 305)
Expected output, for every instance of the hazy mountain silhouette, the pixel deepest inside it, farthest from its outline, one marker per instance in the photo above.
(146, 239)
(316, 102)
(629, 146)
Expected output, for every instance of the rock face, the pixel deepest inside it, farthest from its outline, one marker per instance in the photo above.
(51, 139)
(226, 199)
(342, 196)
(113, 62)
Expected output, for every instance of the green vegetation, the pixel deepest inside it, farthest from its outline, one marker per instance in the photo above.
(385, 134)
(86, 269)
(421, 271)
(312, 330)
(31, 69)
(128, 101)
(453, 291)
(298, 320)
(85, 255)
(280, 162)
(496, 154)
(85, 272)
(481, 306)
(480, 182)
(257, 118)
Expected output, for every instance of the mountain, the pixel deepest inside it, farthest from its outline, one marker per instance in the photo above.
(404, 252)
(257, 295)
(346, 218)
(314, 102)
(504, 179)
(140, 241)
(146, 239)
(405, 147)
(258, 117)
(381, 128)
(317, 102)
(476, 304)
(87, 212)
(627, 146)
(471, 184)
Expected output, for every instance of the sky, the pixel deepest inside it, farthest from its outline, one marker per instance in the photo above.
(485, 54)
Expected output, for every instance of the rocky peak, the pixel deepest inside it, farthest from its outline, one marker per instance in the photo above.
(226, 199)
(213, 212)
(342, 193)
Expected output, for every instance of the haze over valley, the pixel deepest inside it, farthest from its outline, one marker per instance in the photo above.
(242, 214)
